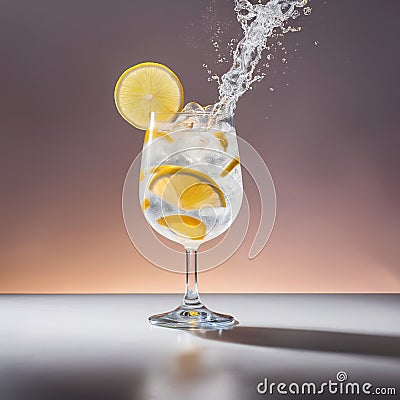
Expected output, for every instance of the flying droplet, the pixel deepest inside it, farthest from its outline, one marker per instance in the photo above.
(295, 14)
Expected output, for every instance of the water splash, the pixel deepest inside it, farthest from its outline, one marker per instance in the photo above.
(258, 22)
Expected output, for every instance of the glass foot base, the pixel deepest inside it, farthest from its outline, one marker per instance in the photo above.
(185, 317)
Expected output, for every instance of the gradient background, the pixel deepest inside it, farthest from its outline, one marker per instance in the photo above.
(328, 132)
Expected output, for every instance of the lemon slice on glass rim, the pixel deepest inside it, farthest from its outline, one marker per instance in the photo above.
(145, 88)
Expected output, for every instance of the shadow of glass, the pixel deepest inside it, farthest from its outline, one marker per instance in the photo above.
(313, 340)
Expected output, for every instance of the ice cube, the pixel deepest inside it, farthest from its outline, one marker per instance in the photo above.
(199, 141)
(183, 122)
(209, 108)
(193, 107)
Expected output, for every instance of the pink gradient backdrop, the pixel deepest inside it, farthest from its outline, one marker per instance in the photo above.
(328, 132)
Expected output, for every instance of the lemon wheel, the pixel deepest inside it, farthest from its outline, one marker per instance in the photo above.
(186, 188)
(145, 88)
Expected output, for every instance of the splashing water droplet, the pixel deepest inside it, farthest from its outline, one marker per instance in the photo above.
(295, 14)
(259, 22)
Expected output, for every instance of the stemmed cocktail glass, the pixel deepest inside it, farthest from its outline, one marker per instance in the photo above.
(191, 192)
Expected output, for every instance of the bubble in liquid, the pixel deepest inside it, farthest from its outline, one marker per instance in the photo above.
(307, 10)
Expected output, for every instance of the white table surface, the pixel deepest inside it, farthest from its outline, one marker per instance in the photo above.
(101, 347)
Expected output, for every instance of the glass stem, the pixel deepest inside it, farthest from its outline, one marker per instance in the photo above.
(191, 298)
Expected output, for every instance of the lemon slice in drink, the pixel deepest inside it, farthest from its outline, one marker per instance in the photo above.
(184, 225)
(144, 88)
(186, 188)
(146, 204)
(223, 141)
(231, 165)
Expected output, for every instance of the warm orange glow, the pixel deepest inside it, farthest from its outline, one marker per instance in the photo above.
(328, 132)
